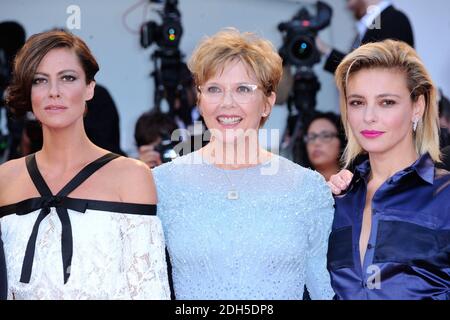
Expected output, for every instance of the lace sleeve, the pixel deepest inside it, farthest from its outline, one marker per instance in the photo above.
(144, 258)
(320, 221)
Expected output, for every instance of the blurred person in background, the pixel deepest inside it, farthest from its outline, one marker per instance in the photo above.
(102, 122)
(151, 132)
(324, 143)
(377, 20)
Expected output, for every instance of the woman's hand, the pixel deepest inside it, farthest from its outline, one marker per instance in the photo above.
(339, 182)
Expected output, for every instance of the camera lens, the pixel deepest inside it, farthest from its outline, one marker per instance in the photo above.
(301, 49)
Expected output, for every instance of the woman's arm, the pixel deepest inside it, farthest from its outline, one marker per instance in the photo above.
(320, 219)
(144, 245)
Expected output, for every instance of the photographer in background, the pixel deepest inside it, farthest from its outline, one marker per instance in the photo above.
(299, 89)
(101, 121)
(323, 144)
(377, 20)
(152, 134)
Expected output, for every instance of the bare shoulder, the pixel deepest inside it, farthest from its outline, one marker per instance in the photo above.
(134, 180)
(11, 170)
(11, 174)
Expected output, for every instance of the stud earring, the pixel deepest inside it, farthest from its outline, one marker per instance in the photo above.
(415, 123)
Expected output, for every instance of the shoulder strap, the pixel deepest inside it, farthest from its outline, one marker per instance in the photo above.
(36, 176)
(86, 172)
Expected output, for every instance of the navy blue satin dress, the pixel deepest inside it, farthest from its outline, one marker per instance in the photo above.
(408, 253)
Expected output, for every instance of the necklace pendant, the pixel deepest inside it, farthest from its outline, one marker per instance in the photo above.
(232, 195)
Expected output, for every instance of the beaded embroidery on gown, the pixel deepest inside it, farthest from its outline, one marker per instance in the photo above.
(264, 241)
(57, 247)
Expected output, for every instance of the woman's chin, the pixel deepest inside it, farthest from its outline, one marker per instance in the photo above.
(57, 124)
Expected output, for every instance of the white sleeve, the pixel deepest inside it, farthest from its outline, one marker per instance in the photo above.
(144, 258)
(320, 221)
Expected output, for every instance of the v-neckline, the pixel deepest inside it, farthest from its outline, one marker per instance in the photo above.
(42, 186)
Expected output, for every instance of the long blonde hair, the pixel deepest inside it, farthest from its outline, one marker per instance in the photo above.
(390, 54)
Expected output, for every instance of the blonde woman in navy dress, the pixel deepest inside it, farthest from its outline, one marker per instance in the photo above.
(77, 222)
(391, 230)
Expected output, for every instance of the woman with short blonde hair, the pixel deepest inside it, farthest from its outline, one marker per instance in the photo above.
(253, 225)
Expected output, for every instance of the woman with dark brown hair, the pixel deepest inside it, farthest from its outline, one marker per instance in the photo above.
(77, 221)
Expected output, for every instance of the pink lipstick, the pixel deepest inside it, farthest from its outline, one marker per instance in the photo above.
(371, 134)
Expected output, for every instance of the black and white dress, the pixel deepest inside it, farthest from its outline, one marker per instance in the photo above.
(57, 247)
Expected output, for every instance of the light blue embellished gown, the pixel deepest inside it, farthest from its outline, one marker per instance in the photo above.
(266, 244)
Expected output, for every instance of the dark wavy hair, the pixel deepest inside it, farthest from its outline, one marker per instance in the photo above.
(18, 94)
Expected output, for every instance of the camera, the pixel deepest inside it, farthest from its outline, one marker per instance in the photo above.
(299, 50)
(299, 35)
(166, 149)
(167, 35)
(172, 78)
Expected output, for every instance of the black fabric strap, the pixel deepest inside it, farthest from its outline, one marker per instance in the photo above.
(80, 205)
(58, 203)
(86, 172)
(66, 241)
(27, 265)
(36, 176)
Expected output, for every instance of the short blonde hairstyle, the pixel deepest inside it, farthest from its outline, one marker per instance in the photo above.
(390, 54)
(213, 53)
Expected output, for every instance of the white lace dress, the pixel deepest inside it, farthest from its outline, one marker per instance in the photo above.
(115, 256)
(58, 247)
